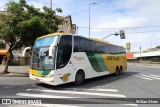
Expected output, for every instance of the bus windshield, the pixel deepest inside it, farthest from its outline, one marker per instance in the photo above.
(47, 41)
(40, 54)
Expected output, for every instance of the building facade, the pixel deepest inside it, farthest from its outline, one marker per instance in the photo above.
(67, 25)
(150, 56)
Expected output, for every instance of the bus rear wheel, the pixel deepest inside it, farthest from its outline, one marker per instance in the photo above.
(79, 78)
(121, 68)
(117, 71)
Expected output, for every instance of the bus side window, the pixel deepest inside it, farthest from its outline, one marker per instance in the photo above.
(60, 58)
(100, 47)
(107, 49)
(90, 46)
(79, 44)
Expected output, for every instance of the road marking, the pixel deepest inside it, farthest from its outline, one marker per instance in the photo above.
(143, 77)
(42, 95)
(83, 105)
(81, 93)
(88, 101)
(151, 77)
(55, 105)
(103, 90)
(156, 75)
(130, 104)
(61, 97)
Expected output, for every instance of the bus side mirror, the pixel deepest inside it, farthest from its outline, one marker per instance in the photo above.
(25, 49)
(51, 50)
(52, 46)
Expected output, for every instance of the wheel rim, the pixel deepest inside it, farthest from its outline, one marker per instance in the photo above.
(78, 78)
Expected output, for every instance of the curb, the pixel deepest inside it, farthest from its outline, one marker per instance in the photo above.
(15, 75)
(145, 65)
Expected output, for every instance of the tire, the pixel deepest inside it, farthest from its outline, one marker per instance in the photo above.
(121, 69)
(117, 71)
(79, 78)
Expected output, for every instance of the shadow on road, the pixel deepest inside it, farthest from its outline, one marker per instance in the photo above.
(93, 82)
(11, 90)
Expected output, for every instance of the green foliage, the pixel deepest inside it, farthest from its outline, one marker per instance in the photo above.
(158, 47)
(23, 23)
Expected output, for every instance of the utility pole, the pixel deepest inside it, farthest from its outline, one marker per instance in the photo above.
(90, 18)
(77, 30)
(51, 4)
(140, 55)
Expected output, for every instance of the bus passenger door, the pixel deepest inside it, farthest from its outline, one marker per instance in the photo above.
(63, 65)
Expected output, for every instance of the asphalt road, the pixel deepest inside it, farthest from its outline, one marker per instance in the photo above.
(139, 81)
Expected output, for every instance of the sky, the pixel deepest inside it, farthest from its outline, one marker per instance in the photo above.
(139, 18)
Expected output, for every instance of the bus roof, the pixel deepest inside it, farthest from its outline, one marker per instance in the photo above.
(54, 34)
(65, 33)
(99, 40)
(105, 42)
(95, 39)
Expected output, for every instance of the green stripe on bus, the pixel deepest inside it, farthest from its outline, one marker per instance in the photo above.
(93, 61)
(101, 62)
(44, 73)
(97, 62)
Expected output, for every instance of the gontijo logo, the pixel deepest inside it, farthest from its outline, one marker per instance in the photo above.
(65, 77)
(112, 58)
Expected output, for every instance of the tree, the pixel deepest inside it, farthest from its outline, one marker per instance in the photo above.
(23, 23)
(158, 47)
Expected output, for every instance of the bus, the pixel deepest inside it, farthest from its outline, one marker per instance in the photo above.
(61, 58)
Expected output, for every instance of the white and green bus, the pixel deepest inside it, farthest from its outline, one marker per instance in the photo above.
(61, 58)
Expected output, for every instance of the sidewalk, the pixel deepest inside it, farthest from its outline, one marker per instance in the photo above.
(145, 65)
(14, 71)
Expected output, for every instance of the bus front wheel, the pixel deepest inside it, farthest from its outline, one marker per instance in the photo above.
(79, 78)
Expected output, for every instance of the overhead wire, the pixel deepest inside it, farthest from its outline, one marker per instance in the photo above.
(124, 27)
